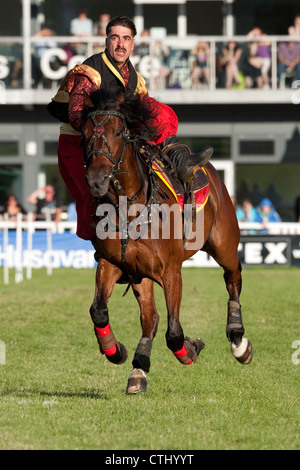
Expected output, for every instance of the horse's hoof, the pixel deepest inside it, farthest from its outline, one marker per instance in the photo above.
(199, 345)
(244, 352)
(195, 346)
(120, 356)
(137, 382)
(123, 353)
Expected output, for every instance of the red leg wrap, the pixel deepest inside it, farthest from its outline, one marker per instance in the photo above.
(106, 340)
(182, 356)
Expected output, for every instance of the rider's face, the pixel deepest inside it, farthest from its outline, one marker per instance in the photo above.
(120, 43)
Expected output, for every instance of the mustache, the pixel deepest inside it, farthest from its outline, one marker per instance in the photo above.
(120, 49)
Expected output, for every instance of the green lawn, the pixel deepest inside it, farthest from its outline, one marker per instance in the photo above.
(58, 392)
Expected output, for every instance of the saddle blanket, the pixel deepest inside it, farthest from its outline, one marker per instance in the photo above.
(196, 191)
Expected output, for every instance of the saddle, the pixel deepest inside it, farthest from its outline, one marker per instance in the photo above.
(195, 192)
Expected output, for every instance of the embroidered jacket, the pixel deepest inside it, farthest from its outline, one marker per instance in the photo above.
(67, 104)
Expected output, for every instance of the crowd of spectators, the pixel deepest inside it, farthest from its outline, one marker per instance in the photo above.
(263, 214)
(248, 65)
(45, 206)
(244, 65)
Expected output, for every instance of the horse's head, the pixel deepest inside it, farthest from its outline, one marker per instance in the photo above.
(105, 135)
(109, 120)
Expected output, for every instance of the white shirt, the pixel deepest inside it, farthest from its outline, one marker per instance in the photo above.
(79, 27)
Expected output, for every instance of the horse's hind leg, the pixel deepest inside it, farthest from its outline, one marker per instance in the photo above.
(149, 317)
(227, 257)
(241, 347)
(106, 278)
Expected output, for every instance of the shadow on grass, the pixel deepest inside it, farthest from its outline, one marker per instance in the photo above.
(26, 393)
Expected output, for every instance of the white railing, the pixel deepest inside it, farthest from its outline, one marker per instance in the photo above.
(272, 228)
(54, 53)
(30, 226)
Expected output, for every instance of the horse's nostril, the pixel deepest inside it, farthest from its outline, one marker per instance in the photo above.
(98, 184)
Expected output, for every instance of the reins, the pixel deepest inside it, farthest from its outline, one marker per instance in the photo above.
(144, 218)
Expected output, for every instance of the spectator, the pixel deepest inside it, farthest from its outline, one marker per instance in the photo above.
(81, 25)
(39, 48)
(161, 55)
(295, 29)
(240, 215)
(288, 58)
(14, 54)
(43, 45)
(45, 203)
(143, 48)
(231, 55)
(100, 30)
(12, 207)
(267, 212)
(251, 214)
(251, 66)
(100, 26)
(263, 54)
(151, 63)
(200, 68)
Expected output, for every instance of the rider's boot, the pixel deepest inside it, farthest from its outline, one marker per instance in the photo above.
(185, 162)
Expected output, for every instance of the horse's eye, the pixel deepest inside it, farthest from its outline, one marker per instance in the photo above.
(118, 133)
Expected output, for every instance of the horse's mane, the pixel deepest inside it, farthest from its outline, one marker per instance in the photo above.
(138, 112)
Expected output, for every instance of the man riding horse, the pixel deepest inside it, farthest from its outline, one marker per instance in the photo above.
(110, 70)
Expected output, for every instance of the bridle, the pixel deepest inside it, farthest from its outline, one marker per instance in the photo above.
(98, 132)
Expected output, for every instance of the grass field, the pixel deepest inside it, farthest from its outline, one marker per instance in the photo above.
(58, 392)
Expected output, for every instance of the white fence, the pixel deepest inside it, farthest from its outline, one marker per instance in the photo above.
(274, 228)
(29, 226)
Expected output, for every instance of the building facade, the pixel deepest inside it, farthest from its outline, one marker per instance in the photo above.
(181, 48)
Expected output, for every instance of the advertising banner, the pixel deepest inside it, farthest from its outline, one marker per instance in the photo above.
(68, 251)
(60, 250)
(265, 250)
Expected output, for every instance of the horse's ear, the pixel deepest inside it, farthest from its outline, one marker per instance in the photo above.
(87, 100)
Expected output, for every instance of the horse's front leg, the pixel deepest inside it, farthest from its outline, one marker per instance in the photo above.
(184, 349)
(149, 316)
(106, 278)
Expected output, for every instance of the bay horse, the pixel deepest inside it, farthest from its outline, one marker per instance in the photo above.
(119, 166)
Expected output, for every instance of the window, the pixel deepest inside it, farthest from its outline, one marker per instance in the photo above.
(221, 145)
(10, 182)
(9, 148)
(50, 148)
(256, 147)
